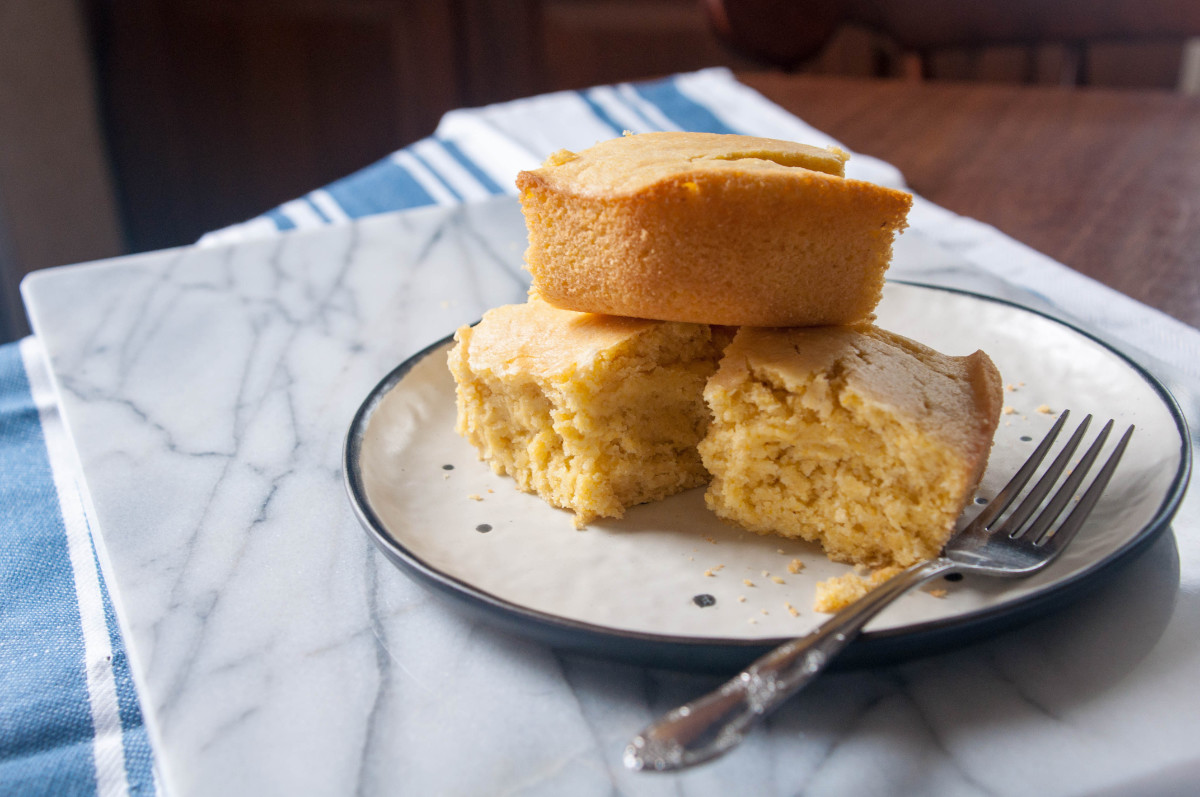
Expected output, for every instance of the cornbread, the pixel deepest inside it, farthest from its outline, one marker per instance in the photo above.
(593, 413)
(838, 592)
(853, 437)
(709, 228)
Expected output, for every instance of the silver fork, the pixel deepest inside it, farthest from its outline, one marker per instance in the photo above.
(1012, 546)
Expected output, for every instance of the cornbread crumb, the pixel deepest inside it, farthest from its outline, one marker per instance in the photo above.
(838, 592)
(1044, 409)
(475, 497)
(777, 580)
(593, 413)
(1009, 411)
(791, 609)
(710, 573)
(795, 566)
(747, 582)
(834, 593)
(937, 593)
(741, 598)
(853, 437)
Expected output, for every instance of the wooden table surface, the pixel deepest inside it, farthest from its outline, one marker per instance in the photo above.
(1104, 181)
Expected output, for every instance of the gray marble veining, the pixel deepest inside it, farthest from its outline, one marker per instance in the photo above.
(208, 391)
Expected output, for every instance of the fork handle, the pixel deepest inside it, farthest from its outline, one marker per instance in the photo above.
(711, 725)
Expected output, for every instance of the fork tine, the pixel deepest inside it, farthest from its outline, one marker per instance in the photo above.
(1066, 531)
(1015, 522)
(1011, 490)
(1038, 528)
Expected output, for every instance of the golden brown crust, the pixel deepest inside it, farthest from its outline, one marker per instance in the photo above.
(709, 238)
(631, 164)
(536, 337)
(955, 400)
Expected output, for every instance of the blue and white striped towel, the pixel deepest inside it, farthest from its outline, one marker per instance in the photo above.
(69, 716)
(476, 153)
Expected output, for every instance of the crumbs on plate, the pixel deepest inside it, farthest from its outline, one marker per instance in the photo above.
(840, 591)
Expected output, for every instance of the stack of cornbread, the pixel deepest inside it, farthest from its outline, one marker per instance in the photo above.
(700, 312)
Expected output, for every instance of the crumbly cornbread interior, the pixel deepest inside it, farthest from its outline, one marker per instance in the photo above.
(853, 437)
(593, 413)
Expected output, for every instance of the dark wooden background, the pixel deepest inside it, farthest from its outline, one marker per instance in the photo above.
(1104, 181)
(217, 110)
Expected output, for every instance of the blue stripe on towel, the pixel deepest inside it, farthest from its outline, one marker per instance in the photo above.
(645, 124)
(681, 109)
(281, 221)
(317, 209)
(45, 718)
(441, 178)
(601, 114)
(487, 182)
(379, 188)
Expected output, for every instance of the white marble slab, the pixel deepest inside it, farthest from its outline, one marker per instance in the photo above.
(208, 391)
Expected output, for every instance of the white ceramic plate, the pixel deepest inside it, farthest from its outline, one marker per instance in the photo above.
(632, 588)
